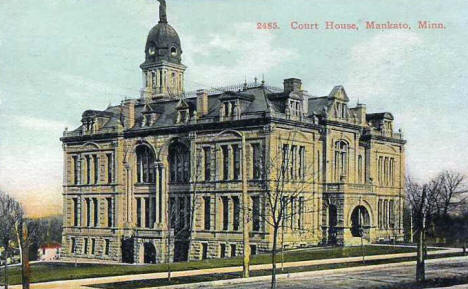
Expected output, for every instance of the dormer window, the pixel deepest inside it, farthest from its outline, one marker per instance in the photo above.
(341, 110)
(295, 108)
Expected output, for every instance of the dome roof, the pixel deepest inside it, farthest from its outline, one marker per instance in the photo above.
(163, 42)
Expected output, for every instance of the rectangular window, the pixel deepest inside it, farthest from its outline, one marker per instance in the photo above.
(236, 218)
(73, 245)
(300, 217)
(96, 212)
(88, 169)
(85, 246)
(88, 212)
(138, 212)
(293, 166)
(391, 214)
(225, 152)
(293, 211)
(207, 211)
(256, 213)
(75, 212)
(93, 246)
(110, 213)
(147, 213)
(76, 172)
(285, 164)
(256, 161)
(204, 251)
(110, 168)
(172, 213)
(233, 250)
(207, 152)
(106, 247)
(182, 212)
(359, 169)
(253, 250)
(236, 152)
(96, 168)
(225, 213)
(222, 251)
(302, 162)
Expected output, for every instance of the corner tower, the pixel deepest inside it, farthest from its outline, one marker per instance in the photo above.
(163, 72)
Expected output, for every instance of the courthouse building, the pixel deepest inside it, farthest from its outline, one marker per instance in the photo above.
(159, 177)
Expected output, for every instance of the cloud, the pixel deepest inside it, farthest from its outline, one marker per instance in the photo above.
(34, 123)
(377, 65)
(240, 51)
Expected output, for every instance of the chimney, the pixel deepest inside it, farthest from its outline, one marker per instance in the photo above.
(361, 112)
(202, 102)
(292, 84)
(129, 112)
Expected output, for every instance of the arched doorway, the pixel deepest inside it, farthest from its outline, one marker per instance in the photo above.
(150, 253)
(332, 222)
(360, 221)
(127, 250)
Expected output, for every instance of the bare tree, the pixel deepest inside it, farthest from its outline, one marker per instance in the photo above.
(452, 190)
(11, 214)
(288, 182)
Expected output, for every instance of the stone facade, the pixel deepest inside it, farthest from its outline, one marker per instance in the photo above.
(159, 178)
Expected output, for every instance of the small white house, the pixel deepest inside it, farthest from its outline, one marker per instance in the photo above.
(49, 252)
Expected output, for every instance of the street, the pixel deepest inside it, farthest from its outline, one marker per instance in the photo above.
(365, 278)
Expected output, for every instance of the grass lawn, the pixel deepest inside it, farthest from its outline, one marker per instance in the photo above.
(43, 272)
(226, 276)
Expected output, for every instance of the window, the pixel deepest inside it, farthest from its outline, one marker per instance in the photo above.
(300, 217)
(110, 212)
(147, 213)
(179, 162)
(181, 211)
(380, 214)
(222, 250)
(93, 246)
(88, 169)
(253, 249)
(341, 159)
(379, 170)
(233, 250)
(73, 245)
(285, 161)
(96, 168)
(85, 246)
(386, 171)
(391, 214)
(145, 164)
(172, 213)
(392, 171)
(256, 161)
(138, 212)
(204, 251)
(236, 152)
(293, 166)
(207, 153)
(293, 211)
(207, 211)
(76, 170)
(302, 163)
(88, 212)
(106, 247)
(225, 201)
(359, 169)
(96, 212)
(256, 213)
(75, 212)
(385, 216)
(236, 218)
(110, 168)
(225, 152)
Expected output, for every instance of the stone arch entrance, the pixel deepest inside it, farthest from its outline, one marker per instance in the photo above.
(127, 247)
(149, 253)
(360, 221)
(332, 223)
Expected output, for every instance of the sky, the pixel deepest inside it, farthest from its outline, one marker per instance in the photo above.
(61, 57)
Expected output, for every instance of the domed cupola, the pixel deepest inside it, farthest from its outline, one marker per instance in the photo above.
(163, 42)
(162, 69)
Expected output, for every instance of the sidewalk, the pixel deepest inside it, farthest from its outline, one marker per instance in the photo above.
(80, 283)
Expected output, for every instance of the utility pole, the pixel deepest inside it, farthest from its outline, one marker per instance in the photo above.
(245, 217)
(420, 270)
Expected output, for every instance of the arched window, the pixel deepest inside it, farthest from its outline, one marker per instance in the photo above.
(179, 162)
(341, 159)
(145, 164)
